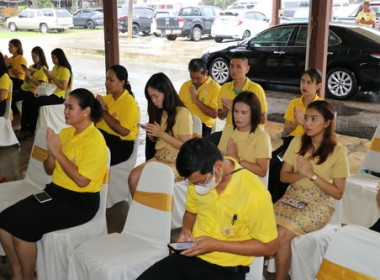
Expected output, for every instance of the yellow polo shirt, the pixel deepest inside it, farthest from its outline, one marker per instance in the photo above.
(246, 197)
(61, 73)
(183, 126)
(38, 74)
(368, 16)
(126, 111)
(289, 114)
(251, 146)
(16, 62)
(5, 83)
(88, 151)
(227, 90)
(208, 94)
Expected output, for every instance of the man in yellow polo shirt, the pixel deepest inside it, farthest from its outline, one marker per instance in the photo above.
(200, 95)
(366, 17)
(239, 68)
(229, 218)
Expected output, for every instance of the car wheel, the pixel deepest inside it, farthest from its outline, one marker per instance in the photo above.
(219, 70)
(171, 37)
(196, 34)
(44, 28)
(12, 27)
(157, 34)
(218, 39)
(246, 34)
(341, 83)
(90, 24)
(135, 30)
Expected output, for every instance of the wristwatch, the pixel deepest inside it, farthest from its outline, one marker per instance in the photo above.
(314, 177)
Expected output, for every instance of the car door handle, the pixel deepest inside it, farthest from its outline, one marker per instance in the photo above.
(330, 53)
(279, 52)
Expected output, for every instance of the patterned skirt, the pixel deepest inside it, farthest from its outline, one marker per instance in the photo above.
(315, 215)
(169, 157)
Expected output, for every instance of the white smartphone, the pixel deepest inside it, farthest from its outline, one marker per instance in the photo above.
(42, 197)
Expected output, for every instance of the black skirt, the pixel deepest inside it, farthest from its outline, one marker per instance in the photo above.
(29, 220)
(120, 150)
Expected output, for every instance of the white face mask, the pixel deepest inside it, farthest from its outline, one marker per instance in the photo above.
(206, 188)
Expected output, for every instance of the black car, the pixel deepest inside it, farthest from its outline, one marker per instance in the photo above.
(141, 21)
(88, 18)
(277, 56)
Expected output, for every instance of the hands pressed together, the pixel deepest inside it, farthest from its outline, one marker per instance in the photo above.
(304, 167)
(53, 142)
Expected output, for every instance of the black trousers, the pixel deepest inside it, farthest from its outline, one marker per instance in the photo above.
(2, 107)
(30, 110)
(20, 95)
(275, 186)
(205, 130)
(178, 267)
(120, 150)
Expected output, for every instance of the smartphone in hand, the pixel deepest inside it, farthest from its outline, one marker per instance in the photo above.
(178, 247)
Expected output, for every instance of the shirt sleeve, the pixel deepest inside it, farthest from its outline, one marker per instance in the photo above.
(291, 153)
(184, 122)
(341, 167)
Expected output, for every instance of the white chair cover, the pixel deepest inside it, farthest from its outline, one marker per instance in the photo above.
(197, 127)
(143, 240)
(52, 116)
(35, 177)
(359, 205)
(308, 249)
(7, 135)
(356, 248)
(55, 248)
(118, 187)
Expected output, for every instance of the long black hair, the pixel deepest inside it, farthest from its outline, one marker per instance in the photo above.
(62, 60)
(40, 52)
(162, 83)
(3, 67)
(329, 137)
(122, 74)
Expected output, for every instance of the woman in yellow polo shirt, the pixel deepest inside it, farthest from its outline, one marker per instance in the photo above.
(245, 140)
(120, 115)
(15, 70)
(61, 76)
(34, 76)
(310, 85)
(5, 83)
(170, 125)
(77, 160)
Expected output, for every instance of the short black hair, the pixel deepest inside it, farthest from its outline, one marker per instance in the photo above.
(240, 55)
(87, 99)
(197, 65)
(197, 154)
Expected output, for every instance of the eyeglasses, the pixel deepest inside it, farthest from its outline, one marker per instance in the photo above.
(198, 184)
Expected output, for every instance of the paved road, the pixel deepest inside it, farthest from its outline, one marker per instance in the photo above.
(144, 56)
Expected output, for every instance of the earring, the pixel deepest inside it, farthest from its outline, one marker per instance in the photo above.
(85, 115)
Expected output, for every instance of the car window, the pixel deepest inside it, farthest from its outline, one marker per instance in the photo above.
(24, 14)
(48, 13)
(376, 9)
(209, 12)
(273, 37)
(301, 39)
(250, 15)
(149, 12)
(62, 13)
(260, 16)
(39, 13)
(86, 13)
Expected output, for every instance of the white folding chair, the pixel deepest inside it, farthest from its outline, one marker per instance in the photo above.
(7, 135)
(118, 189)
(359, 205)
(35, 177)
(197, 127)
(144, 238)
(55, 248)
(353, 253)
(52, 116)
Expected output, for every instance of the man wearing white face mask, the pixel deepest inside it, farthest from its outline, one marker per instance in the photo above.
(229, 217)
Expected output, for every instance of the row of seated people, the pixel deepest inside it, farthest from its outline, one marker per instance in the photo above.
(232, 142)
